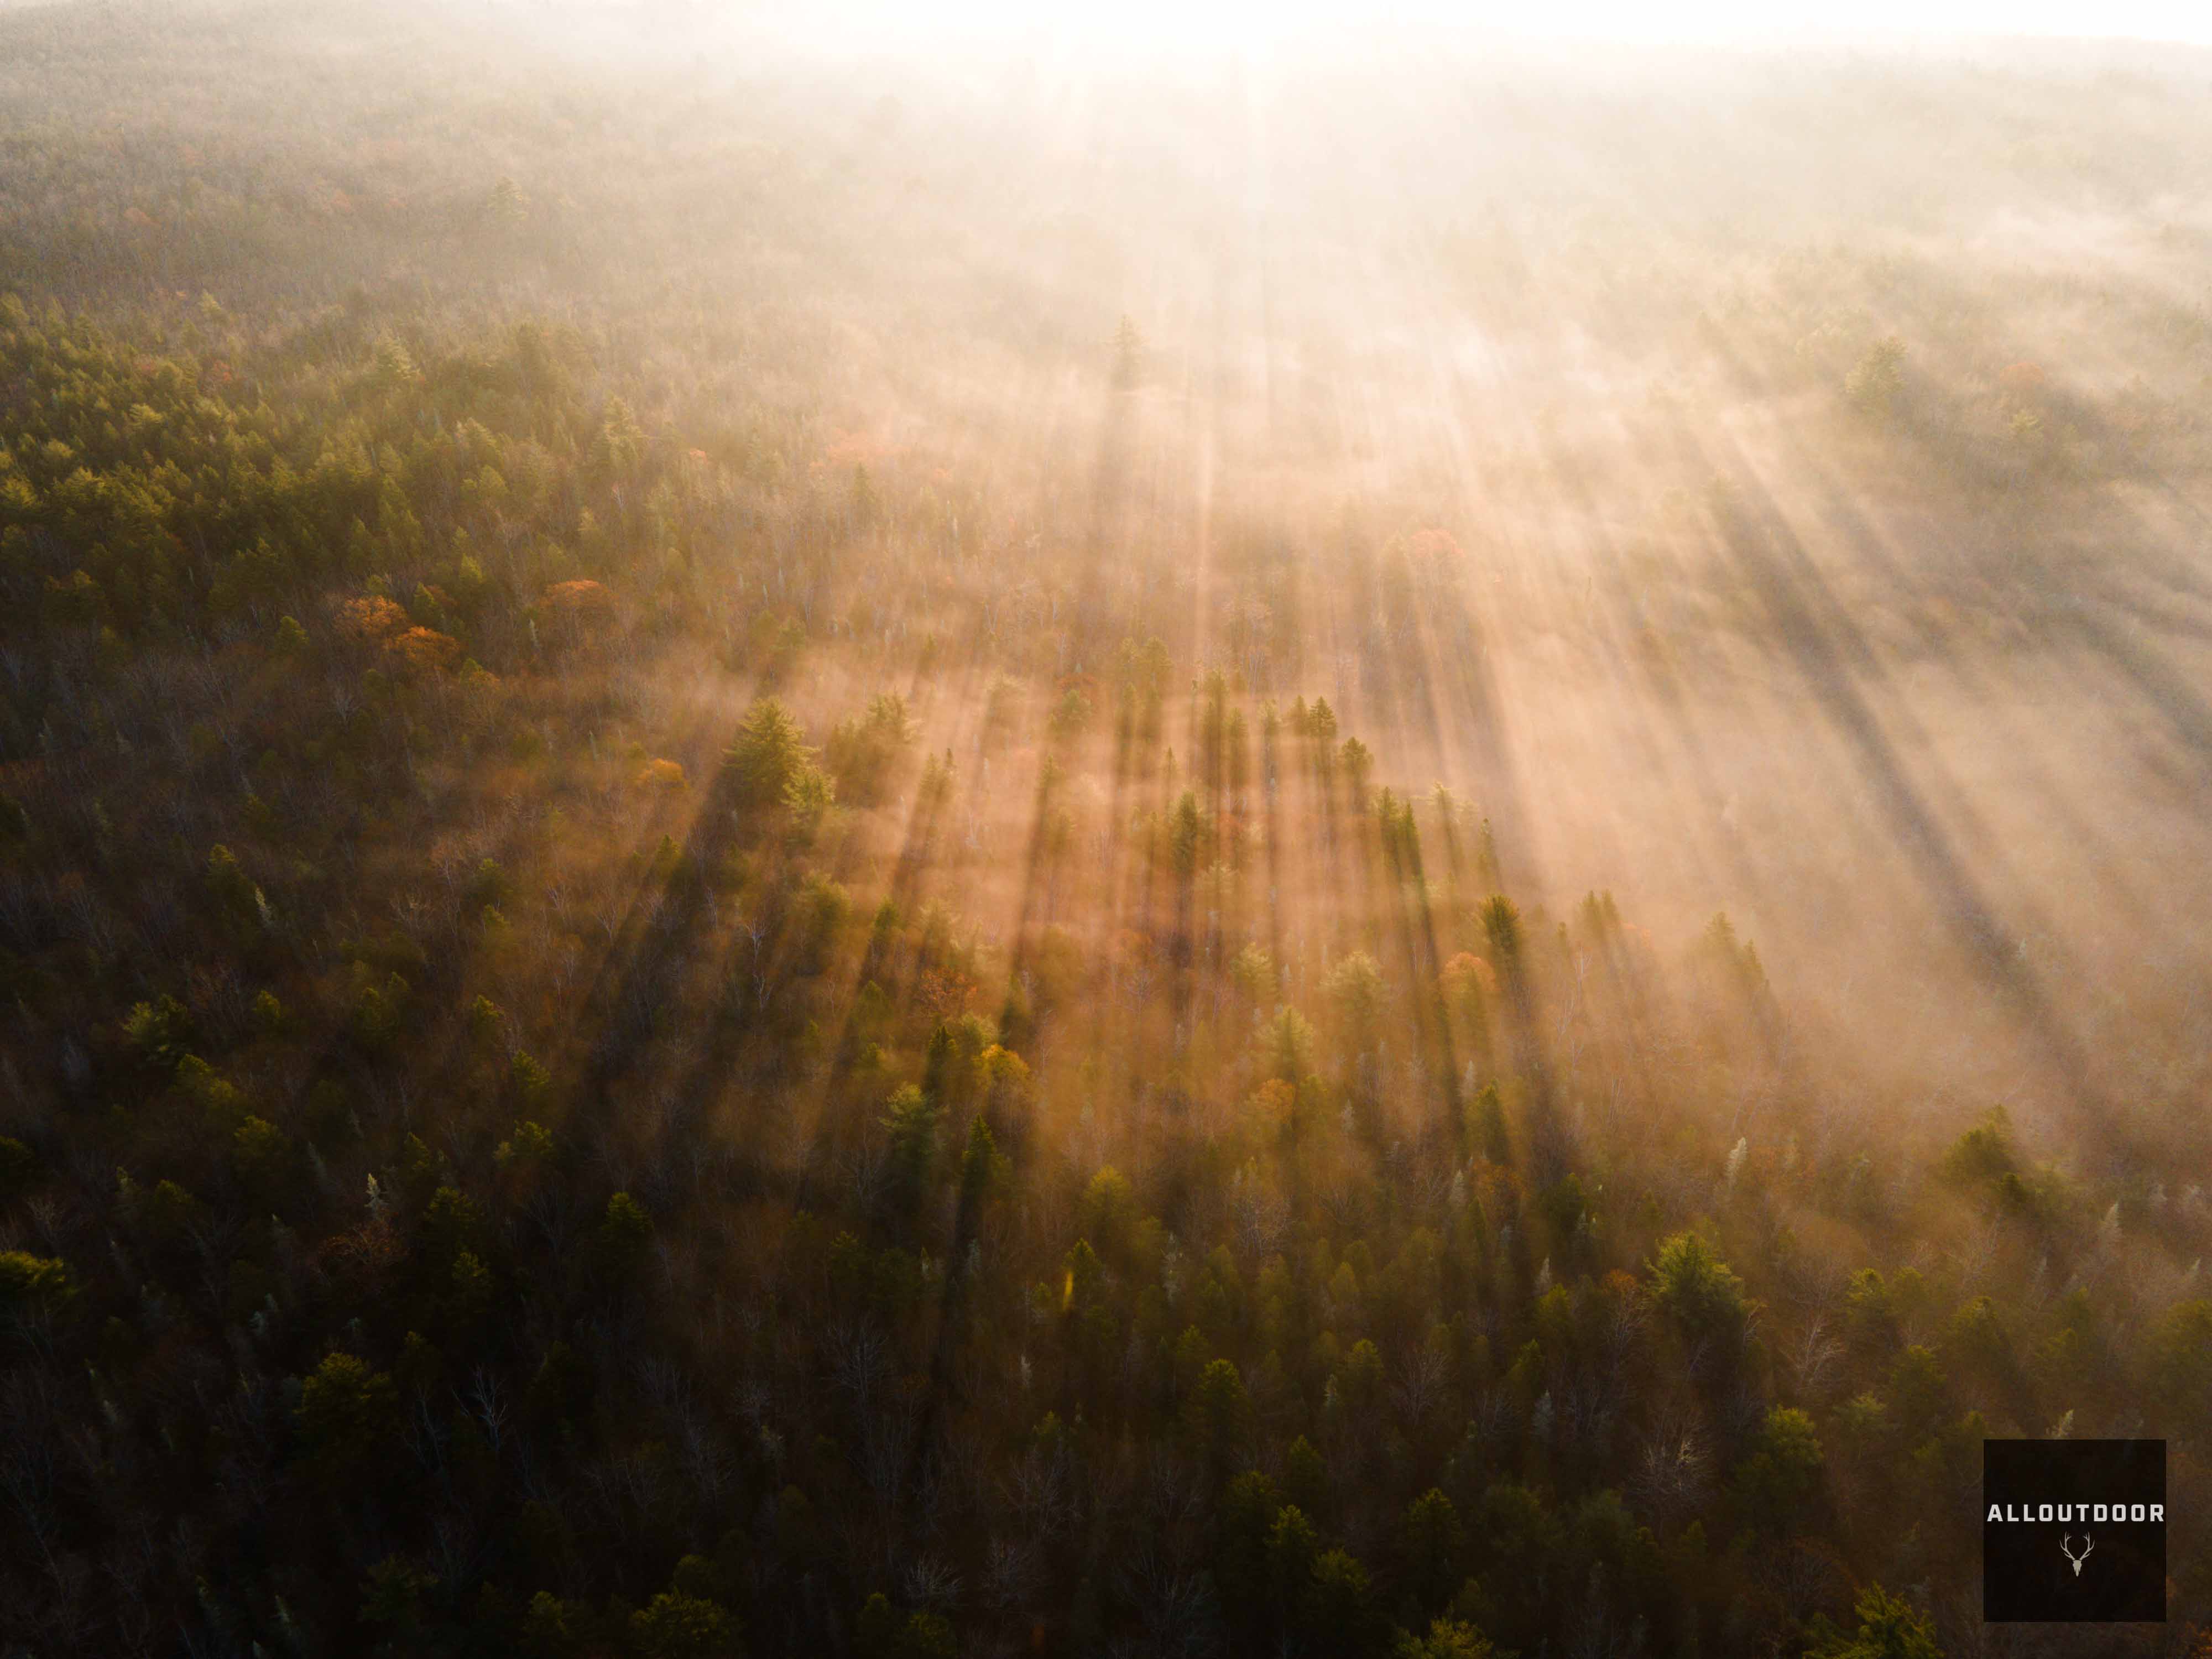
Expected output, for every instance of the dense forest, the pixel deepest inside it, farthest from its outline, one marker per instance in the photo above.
(802, 859)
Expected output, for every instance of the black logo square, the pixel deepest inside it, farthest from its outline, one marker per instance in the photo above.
(2074, 1531)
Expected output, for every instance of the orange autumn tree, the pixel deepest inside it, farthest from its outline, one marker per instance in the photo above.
(575, 612)
(425, 649)
(370, 618)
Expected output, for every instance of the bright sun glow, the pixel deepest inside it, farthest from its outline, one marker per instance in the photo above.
(1151, 29)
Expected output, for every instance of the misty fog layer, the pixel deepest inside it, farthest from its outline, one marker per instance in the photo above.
(1908, 680)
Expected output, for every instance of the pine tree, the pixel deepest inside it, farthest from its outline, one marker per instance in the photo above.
(1128, 353)
(769, 753)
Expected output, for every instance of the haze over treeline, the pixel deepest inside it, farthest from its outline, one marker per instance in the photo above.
(912, 853)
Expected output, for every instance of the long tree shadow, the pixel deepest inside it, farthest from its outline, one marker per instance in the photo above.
(660, 936)
(1824, 645)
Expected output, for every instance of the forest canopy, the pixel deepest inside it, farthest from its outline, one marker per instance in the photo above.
(1396, 859)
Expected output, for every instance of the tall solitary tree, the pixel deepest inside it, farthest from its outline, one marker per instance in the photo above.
(769, 753)
(1128, 353)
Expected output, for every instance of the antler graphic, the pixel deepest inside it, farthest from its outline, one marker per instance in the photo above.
(2087, 1544)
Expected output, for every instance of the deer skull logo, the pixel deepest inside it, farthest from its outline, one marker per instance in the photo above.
(2066, 1545)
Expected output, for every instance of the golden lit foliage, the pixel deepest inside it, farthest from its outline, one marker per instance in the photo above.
(372, 617)
(424, 649)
